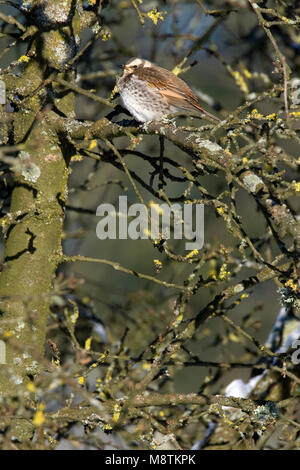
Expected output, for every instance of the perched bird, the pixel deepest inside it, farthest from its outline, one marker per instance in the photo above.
(150, 92)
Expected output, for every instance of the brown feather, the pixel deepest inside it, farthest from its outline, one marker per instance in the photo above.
(173, 90)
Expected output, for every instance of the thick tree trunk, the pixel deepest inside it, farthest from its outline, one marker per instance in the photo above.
(34, 224)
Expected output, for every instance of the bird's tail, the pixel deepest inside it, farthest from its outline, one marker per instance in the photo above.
(203, 111)
(211, 115)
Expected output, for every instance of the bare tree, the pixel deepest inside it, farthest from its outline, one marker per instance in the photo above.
(136, 348)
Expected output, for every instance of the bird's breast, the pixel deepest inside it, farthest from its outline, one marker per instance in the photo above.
(142, 101)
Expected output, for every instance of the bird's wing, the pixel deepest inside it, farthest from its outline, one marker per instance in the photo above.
(172, 89)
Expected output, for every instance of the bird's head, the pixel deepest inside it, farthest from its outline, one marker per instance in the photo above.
(134, 64)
